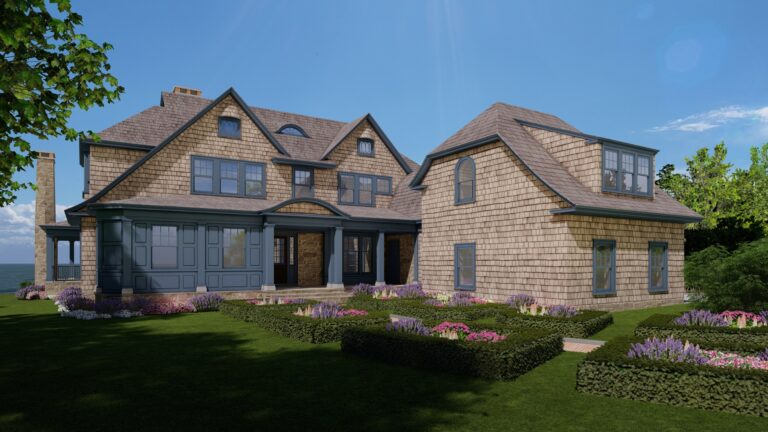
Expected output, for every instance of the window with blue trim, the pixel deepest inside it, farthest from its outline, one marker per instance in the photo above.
(229, 127)
(357, 254)
(292, 130)
(361, 189)
(657, 266)
(212, 176)
(164, 247)
(464, 178)
(303, 186)
(627, 171)
(603, 267)
(465, 266)
(365, 147)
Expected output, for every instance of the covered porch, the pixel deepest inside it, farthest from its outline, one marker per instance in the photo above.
(62, 252)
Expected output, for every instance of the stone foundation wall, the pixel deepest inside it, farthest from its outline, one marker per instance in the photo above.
(311, 259)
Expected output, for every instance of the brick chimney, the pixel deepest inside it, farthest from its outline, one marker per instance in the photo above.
(45, 209)
(187, 91)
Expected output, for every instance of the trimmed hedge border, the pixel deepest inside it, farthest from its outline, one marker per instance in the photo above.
(520, 352)
(663, 325)
(281, 320)
(586, 323)
(416, 308)
(608, 372)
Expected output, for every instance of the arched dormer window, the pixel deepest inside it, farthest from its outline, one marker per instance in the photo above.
(293, 130)
(464, 179)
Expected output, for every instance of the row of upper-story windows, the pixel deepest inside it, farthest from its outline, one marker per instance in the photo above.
(214, 176)
(627, 171)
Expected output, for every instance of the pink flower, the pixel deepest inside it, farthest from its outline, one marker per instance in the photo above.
(485, 336)
(447, 326)
(353, 312)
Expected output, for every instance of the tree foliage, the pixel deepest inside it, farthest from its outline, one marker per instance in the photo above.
(47, 69)
(719, 193)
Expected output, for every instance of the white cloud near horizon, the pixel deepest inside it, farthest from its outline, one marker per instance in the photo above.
(17, 223)
(715, 118)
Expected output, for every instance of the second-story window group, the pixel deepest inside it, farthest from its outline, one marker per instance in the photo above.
(361, 189)
(212, 176)
(627, 171)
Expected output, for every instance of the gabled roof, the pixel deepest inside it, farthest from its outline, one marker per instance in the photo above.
(502, 122)
(153, 125)
(229, 93)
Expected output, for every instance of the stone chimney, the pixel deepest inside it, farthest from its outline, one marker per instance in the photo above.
(45, 209)
(187, 91)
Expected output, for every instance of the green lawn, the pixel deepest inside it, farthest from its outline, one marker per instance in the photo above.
(209, 372)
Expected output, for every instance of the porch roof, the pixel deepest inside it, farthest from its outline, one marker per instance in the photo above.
(248, 205)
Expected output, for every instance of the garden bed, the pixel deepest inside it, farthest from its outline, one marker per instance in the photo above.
(585, 323)
(518, 352)
(283, 320)
(416, 307)
(609, 371)
(664, 325)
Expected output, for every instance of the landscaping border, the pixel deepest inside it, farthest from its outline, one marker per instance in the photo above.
(281, 320)
(608, 372)
(586, 323)
(663, 325)
(520, 352)
(416, 308)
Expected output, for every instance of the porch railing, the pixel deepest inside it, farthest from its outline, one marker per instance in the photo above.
(67, 272)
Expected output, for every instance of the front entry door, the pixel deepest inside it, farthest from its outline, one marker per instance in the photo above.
(392, 262)
(285, 260)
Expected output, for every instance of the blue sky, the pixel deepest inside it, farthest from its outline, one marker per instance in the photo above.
(671, 75)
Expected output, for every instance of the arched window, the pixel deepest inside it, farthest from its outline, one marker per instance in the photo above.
(465, 181)
(292, 129)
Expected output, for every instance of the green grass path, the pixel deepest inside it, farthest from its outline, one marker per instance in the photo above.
(208, 372)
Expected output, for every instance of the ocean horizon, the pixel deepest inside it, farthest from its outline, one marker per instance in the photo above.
(11, 275)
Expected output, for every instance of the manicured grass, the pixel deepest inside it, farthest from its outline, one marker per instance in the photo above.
(209, 372)
(624, 322)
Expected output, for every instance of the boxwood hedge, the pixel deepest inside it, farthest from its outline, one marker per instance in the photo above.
(586, 323)
(281, 320)
(608, 372)
(521, 351)
(663, 325)
(417, 308)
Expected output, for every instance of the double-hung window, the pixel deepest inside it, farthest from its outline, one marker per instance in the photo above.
(657, 267)
(365, 147)
(464, 181)
(603, 267)
(358, 254)
(627, 171)
(234, 247)
(365, 190)
(214, 176)
(164, 247)
(465, 266)
(303, 183)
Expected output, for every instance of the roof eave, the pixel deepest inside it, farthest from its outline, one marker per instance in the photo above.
(627, 214)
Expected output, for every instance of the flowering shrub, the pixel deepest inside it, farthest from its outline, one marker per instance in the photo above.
(326, 310)
(109, 306)
(518, 300)
(276, 301)
(670, 349)
(734, 360)
(412, 290)
(363, 288)
(206, 302)
(456, 299)
(562, 311)
(409, 325)
(434, 302)
(735, 319)
(68, 296)
(167, 308)
(31, 292)
(386, 292)
(485, 336)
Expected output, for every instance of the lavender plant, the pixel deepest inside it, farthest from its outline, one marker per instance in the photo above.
(109, 305)
(410, 291)
(701, 318)
(30, 292)
(669, 349)
(364, 288)
(461, 299)
(562, 311)
(326, 310)
(409, 325)
(518, 300)
(206, 302)
(763, 355)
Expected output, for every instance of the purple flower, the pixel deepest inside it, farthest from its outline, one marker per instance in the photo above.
(109, 305)
(326, 310)
(434, 302)
(763, 355)
(669, 349)
(562, 311)
(410, 291)
(409, 325)
(485, 336)
(518, 300)
(364, 288)
(207, 301)
(31, 292)
(701, 318)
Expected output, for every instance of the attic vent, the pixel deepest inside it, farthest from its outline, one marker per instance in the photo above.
(187, 91)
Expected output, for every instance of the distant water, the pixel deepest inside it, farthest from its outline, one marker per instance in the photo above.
(11, 275)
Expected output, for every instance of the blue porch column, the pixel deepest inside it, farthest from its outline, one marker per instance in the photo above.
(336, 273)
(269, 257)
(127, 278)
(380, 260)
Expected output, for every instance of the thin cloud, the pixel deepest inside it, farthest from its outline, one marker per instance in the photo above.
(715, 118)
(17, 223)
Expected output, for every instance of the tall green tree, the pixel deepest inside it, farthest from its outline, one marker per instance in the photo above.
(47, 69)
(752, 187)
